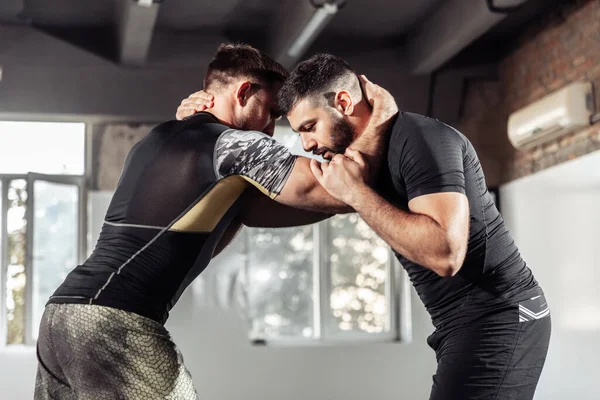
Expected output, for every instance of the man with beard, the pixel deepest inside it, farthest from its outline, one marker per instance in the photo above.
(431, 205)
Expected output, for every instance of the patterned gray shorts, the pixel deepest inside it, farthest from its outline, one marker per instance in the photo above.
(94, 352)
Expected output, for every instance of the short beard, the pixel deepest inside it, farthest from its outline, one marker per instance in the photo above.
(342, 135)
(244, 123)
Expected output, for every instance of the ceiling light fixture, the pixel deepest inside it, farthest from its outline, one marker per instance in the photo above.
(315, 25)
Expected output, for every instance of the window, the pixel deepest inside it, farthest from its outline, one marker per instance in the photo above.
(40, 219)
(331, 281)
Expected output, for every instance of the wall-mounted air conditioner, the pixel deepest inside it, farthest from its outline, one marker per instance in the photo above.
(556, 114)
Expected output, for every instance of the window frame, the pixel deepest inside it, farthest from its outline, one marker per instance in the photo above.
(75, 180)
(398, 296)
(82, 182)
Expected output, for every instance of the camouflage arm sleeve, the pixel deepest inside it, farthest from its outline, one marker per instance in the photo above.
(256, 157)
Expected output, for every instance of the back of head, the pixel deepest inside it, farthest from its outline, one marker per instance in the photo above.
(318, 78)
(242, 61)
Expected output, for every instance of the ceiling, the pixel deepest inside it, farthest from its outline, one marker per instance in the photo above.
(367, 24)
(379, 18)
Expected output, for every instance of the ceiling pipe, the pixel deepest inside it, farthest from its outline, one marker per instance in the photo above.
(299, 23)
(137, 19)
(451, 28)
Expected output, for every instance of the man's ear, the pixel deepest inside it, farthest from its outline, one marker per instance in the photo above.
(243, 93)
(344, 103)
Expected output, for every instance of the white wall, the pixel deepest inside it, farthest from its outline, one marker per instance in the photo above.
(554, 217)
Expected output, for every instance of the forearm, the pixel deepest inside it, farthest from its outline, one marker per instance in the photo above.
(417, 237)
(316, 199)
(302, 190)
(293, 217)
(259, 211)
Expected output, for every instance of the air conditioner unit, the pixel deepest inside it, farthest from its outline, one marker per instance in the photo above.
(555, 115)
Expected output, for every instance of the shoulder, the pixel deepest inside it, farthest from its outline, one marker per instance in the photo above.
(418, 131)
(231, 139)
(231, 135)
(202, 121)
(419, 139)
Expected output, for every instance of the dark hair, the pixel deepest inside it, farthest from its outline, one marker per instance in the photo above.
(241, 60)
(312, 77)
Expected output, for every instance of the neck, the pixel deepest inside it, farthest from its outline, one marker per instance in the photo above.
(360, 119)
(222, 110)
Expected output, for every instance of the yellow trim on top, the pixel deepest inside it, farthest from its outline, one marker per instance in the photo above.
(260, 187)
(207, 213)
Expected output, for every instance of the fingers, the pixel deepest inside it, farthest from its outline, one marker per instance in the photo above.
(193, 102)
(376, 94)
(202, 95)
(203, 100)
(355, 156)
(337, 158)
(370, 89)
(315, 167)
(185, 112)
(363, 80)
(196, 102)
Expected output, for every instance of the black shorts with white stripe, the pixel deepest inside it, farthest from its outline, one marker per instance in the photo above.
(498, 356)
(533, 308)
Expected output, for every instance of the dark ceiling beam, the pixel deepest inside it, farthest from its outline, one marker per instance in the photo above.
(451, 28)
(136, 21)
(297, 25)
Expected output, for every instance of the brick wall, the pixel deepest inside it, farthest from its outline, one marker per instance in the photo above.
(560, 48)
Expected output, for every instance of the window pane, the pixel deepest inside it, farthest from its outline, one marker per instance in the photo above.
(55, 241)
(280, 282)
(358, 261)
(45, 147)
(15, 274)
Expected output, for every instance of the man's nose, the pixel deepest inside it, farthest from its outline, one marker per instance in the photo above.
(308, 144)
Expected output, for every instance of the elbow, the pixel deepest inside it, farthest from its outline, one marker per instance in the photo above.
(448, 268)
(450, 262)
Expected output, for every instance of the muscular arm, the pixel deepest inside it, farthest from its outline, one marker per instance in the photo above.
(433, 234)
(302, 190)
(260, 211)
(428, 161)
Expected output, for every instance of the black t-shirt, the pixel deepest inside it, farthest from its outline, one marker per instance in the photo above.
(426, 156)
(179, 190)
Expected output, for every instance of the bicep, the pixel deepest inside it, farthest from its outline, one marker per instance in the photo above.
(432, 168)
(261, 211)
(449, 210)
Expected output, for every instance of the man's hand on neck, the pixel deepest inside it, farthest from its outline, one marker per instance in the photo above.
(373, 139)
